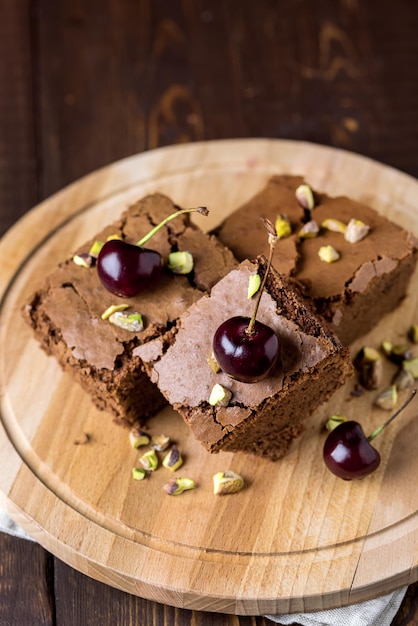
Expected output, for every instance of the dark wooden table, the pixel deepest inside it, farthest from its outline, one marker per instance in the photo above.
(84, 83)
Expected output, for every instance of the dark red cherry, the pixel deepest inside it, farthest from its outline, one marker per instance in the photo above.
(126, 269)
(347, 452)
(247, 357)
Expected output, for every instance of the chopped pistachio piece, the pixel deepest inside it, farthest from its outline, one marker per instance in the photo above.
(387, 347)
(309, 230)
(335, 226)
(305, 197)
(160, 442)
(283, 227)
(334, 421)
(95, 248)
(400, 353)
(177, 486)
(328, 254)
(173, 459)
(411, 365)
(129, 321)
(356, 231)
(180, 262)
(254, 283)
(365, 356)
(213, 363)
(138, 437)
(138, 473)
(113, 308)
(83, 260)
(149, 460)
(403, 379)
(368, 363)
(219, 395)
(227, 482)
(387, 399)
(413, 333)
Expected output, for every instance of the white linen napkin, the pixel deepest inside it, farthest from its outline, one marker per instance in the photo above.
(7, 525)
(378, 612)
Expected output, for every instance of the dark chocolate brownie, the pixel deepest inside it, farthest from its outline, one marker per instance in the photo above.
(261, 418)
(370, 278)
(65, 313)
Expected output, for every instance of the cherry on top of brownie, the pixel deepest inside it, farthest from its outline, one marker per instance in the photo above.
(261, 418)
(74, 299)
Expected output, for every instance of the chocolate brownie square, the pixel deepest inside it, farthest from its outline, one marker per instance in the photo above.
(66, 311)
(369, 279)
(260, 418)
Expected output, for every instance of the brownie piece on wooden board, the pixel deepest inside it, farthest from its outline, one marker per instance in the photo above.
(261, 418)
(352, 294)
(65, 313)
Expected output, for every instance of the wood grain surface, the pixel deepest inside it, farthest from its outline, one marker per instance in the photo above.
(297, 538)
(84, 84)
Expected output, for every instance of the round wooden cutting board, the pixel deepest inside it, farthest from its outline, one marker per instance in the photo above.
(296, 538)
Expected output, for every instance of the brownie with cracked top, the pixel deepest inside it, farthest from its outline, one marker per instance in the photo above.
(65, 312)
(261, 418)
(371, 276)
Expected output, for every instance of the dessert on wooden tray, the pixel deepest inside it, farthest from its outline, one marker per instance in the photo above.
(139, 336)
(366, 263)
(66, 311)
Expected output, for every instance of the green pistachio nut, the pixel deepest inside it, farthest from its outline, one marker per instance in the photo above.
(138, 473)
(138, 438)
(176, 486)
(356, 231)
(328, 254)
(180, 262)
(334, 421)
(149, 460)
(282, 227)
(411, 365)
(305, 197)
(219, 395)
(227, 482)
(128, 321)
(310, 230)
(254, 283)
(113, 308)
(387, 399)
(160, 442)
(173, 460)
(333, 225)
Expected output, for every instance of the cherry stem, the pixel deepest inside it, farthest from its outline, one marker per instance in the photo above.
(200, 209)
(392, 417)
(272, 242)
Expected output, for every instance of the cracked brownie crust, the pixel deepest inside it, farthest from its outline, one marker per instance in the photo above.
(352, 294)
(65, 313)
(262, 418)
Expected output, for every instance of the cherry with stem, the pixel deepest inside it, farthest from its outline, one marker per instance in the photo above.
(126, 269)
(246, 349)
(348, 452)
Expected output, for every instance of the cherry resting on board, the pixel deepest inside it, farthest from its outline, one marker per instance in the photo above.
(347, 451)
(245, 348)
(126, 269)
